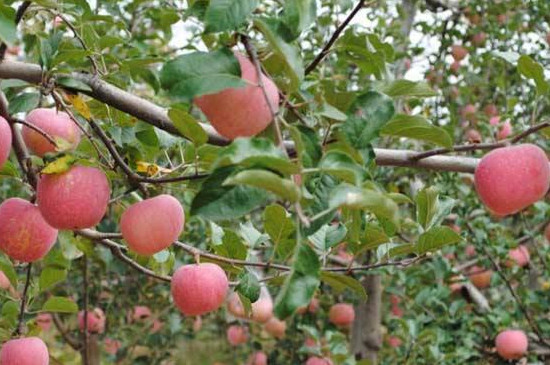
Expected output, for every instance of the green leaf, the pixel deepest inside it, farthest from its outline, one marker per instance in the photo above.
(430, 208)
(218, 202)
(353, 197)
(287, 55)
(328, 236)
(199, 73)
(370, 112)
(232, 246)
(435, 238)
(23, 103)
(330, 112)
(340, 282)
(9, 169)
(224, 15)
(188, 126)
(301, 284)
(256, 152)
(373, 237)
(267, 180)
(248, 285)
(8, 29)
(298, 15)
(277, 224)
(342, 166)
(51, 276)
(534, 71)
(307, 145)
(73, 83)
(59, 165)
(417, 127)
(60, 305)
(7, 268)
(399, 88)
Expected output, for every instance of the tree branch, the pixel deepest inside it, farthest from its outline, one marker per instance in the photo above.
(65, 334)
(22, 308)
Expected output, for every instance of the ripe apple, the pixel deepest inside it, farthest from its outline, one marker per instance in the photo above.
(509, 179)
(458, 52)
(479, 39)
(275, 327)
(111, 346)
(257, 358)
(44, 321)
(153, 224)
(341, 314)
(262, 309)
(473, 136)
(24, 234)
(74, 199)
(394, 341)
(505, 128)
(470, 250)
(237, 335)
(199, 288)
(490, 110)
(312, 307)
(511, 344)
(95, 320)
(455, 67)
(5, 141)
(58, 125)
(480, 277)
(241, 112)
(518, 256)
(157, 325)
(24, 351)
(468, 112)
(141, 313)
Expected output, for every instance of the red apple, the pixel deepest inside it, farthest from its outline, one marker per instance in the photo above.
(479, 39)
(199, 288)
(473, 136)
(394, 341)
(510, 179)
(24, 234)
(153, 224)
(468, 112)
(257, 358)
(518, 256)
(505, 128)
(24, 351)
(241, 112)
(458, 52)
(44, 321)
(455, 67)
(275, 327)
(74, 199)
(511, 344)
(490, 110)
(237, 335)
(470, 250)
(480, 277)
(111, 346)
(141, 313)
(314, 360)
(57, 125)
(95, 320)
(4, 281)
(5, 141)
(342, 314)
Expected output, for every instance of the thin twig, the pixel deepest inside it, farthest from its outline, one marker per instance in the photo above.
(73, 342)
(335, 35)
(22, 308)
(481, 146)
(37, 130)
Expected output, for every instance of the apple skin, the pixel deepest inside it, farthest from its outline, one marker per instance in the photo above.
(153, 224)
(111, 346)
(394, 341)
(275, 327)
(141, 313)
(490, 110)
(262, 309)
(473, 136)
(44, 321)
(241, 112)
(468, 112)
(74, 199)
(341, 314)
(257, 358)
(199, 288)
(314, 360)
(518, 256)
(96, 321)
(511, 344)
(5, 141)
(505, 128)
(312, 307)
(480, 277)
(24, 351)
(458, 52)
(479, 39)
(54, 123)
(509, 179)
(24, 234)
(237, 335)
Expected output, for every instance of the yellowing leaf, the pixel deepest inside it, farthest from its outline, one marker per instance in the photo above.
(60, 165)
(79, 104)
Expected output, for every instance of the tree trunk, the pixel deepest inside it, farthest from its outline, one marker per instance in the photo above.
(94, 351)
(366, 333)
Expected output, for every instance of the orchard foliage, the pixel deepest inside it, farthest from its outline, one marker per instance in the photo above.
(258, 181)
